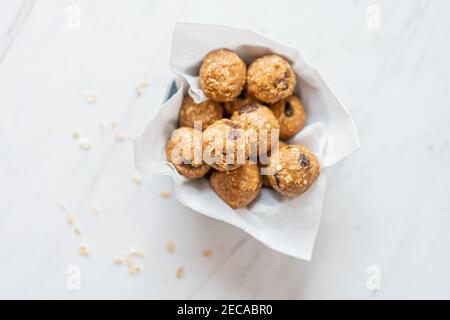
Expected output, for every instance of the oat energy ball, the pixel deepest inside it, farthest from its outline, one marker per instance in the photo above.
(270, 79)
(225, 145)
(262, 119)
(296, 170)
(222, 75)
(207, 112)
(237, 188)
(265, 177)
(291, 116)
(184, 151)
(242, 100)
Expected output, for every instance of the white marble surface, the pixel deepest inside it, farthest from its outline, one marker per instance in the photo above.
(388, 205)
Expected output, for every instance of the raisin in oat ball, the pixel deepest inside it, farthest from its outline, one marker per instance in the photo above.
(265, 177)
(270, 79)
(237, 188)
(258, 117)
(295, 170)
(207, 112)
(225, 145)
(185, 153)
(242, 100)
(291, 116)
(222, 75)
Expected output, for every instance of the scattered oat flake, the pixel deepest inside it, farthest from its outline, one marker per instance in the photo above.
(114, 124)
(76, 134)
(143, 84)
(180, 272)
(70, 217)
(137, 180)
(85, 143)
(90, 97)
(170, 246)
(207, 253)
(118, 260)
(94, 210)
(77, 231)
(134, 269)
(165, 194)
(120, 135)
(84, 250)
(141, 87)
(137, 252)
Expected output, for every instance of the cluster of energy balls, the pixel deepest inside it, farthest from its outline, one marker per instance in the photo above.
(217, 138)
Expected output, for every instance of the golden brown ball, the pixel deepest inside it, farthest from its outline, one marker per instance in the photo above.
(225, 145)
(262, 120)
(184, 151)
(291, 116)
(206, 112)
(270, 79)
(237, 188)
(295, 169)
(222, 75)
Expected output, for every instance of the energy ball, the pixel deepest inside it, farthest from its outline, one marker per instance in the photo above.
(185, 153)
(242, 100)
(222, 75)
(225, 145)
(237, 188)
(265, 177)
(207, 112)
(262, 119)
(295, 170)
(291, 116)
(270, 79)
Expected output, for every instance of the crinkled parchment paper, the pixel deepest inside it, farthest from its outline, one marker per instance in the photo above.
(285, 225)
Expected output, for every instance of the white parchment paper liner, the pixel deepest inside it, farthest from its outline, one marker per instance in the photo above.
(285, 225)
